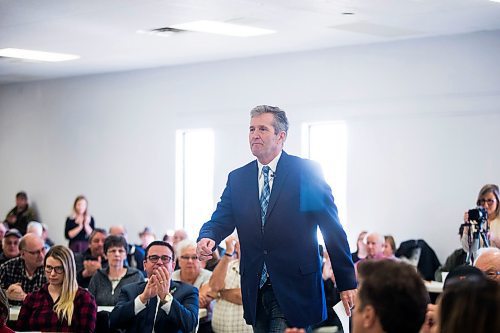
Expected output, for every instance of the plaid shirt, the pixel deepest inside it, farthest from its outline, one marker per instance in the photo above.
(13, 271)
(37, 313)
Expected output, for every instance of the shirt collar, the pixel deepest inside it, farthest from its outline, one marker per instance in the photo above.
(272, 165)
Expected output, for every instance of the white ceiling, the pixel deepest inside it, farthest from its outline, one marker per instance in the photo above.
(103, 32)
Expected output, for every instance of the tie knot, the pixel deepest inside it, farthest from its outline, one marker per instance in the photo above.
(265, 170)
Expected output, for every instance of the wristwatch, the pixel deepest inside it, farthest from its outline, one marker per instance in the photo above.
(168, 298)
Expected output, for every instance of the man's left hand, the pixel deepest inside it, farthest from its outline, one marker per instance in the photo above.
(347, 297)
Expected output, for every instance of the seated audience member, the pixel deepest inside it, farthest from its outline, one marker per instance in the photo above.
(3, 230)
(160, 304)
(360, 248)
(391, 298)
(24, 274)
(147, 236)
(10, 245)
(374, 246)
(4, 313)
(332, 295)
(135, 253)
(488, 261)
(45, 236)
(79, 226)
(192, 273)
(468, 305)
(21, 215)
(60, 305)
(106, 284)
(179, 236)
(93, 259)
(389, 247)
(35, 228)
(225, 286)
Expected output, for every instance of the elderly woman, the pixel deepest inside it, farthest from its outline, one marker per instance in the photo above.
(107, 283)
(60, 305)
(192, 273)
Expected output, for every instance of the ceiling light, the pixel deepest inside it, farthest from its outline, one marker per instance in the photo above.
(221, 28)
(36, 55)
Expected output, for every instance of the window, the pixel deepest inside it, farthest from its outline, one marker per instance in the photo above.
(194, 179)
(326, 143)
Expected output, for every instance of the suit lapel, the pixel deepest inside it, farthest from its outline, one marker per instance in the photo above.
(278, 183)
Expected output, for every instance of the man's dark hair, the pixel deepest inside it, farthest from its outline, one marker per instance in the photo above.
(96, 231)
(160, 243)
(396, 292)
(115, 241)
(22, 195)
(280, 122)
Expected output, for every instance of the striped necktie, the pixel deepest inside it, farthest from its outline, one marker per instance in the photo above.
(264, 202)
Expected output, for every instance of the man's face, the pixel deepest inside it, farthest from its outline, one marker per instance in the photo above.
(10, 246)
(155, 253)
(97, 245)
(188, 261)
(265, 145)
(490, 264)
(374, 247)
(21, 203)
(34, 252)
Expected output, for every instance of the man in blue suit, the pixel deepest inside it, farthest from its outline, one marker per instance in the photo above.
(276, 204)
(160, 303)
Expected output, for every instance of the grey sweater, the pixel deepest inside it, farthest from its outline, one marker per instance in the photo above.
(100, 285)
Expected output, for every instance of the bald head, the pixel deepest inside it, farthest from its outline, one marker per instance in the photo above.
(488, 261)
(118, 230)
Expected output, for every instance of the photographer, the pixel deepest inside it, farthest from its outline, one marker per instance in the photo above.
(486, 222)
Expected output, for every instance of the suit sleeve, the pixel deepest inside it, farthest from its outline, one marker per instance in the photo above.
(183, 313)
(221, 223)
(319, 201)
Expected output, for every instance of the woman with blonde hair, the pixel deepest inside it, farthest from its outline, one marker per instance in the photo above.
(60, 305)
(79, 225)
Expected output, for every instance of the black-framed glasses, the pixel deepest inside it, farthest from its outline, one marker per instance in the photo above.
(57, 269)
(189, 257)
(165, 259)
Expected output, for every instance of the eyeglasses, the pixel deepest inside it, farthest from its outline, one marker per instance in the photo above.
(57, 269)
(154, 259)
(189, 257)
(492, 274)
(488, 201)
(37, 252)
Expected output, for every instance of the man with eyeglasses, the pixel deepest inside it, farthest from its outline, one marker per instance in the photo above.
(24, 274)
(160, 304)
(488, 261)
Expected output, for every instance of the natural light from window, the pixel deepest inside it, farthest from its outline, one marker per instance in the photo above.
(194, 179)
(326, 143)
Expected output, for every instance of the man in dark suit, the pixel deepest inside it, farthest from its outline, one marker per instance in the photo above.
(160, 303)
(276, 203)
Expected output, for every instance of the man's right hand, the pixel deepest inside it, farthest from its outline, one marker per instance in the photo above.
(204, 249)
(91, 266)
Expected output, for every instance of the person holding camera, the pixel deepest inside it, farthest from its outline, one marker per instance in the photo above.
(482, 225)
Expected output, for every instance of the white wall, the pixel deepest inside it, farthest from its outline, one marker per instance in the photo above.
(423, 120)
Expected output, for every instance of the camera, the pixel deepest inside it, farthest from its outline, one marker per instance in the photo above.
(478, 214)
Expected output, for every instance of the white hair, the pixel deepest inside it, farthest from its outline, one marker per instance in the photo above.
(179, 247)
(35, 227)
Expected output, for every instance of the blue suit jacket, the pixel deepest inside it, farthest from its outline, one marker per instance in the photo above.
(300, 201)
(183, 315)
